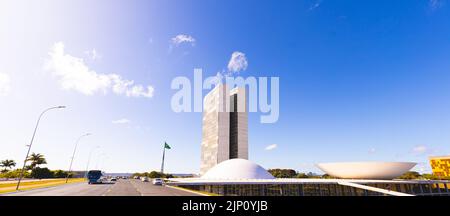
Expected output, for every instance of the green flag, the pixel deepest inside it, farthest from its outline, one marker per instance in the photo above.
(167, 146)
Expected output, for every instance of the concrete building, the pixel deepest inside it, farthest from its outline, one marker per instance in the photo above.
(226, 170)
(225, 127)
(237, 169)
(239, 177)
(366, 170)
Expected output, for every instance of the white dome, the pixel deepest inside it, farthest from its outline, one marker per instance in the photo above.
(366, 170)
(237, 169)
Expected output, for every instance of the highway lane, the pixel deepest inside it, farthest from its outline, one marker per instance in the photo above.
(122, 187)
(73, 189)
(148, 189)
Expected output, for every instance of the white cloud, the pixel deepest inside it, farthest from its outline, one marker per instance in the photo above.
(238, 62)
(372, 151)
(139, 91)
(5, 85)
(315, 5)
(420, 149)
(183, 38)
(93, 54)
(271, 147)
(435, 4)
(121, 121)
(74, 74)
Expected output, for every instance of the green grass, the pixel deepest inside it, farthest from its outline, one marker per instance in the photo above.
(28, 185)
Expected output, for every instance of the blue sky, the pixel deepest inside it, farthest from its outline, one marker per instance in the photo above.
(358, 82)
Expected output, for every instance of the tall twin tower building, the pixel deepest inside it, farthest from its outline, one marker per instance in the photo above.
(225, 127)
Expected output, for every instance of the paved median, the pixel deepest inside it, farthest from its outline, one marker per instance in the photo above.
(10, 186)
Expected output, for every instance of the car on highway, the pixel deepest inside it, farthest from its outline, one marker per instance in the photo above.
(157, 181)
(144, 179)
(94, 177)
(113, 179)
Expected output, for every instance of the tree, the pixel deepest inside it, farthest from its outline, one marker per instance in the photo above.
(40, 173)
(326, 176)
(302, 175)
(312, 175)
(14, 174)
(154, 174)
(7, 164)
(36, 160)
(283, 173)
(61, 174)
(435, 177)
(410, 175)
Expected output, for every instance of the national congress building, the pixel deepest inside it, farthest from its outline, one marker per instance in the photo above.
(225, 127)
(226, 170)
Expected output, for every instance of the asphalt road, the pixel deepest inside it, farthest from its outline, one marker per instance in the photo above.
(122, 187)
(148, 189)
(73, 189)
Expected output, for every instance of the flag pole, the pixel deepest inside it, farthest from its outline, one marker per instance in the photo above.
(162, 164)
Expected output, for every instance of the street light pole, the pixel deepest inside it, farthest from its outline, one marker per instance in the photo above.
(102, 164)
(100, 160)
(89, 160)
(31, 142)
(73, 155)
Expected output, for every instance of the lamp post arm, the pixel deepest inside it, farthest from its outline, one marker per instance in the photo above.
(31, 143)
(73, 155)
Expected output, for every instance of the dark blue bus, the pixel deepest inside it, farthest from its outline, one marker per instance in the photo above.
(94, 176)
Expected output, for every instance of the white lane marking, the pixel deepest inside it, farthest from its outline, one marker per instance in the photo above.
(132, 183)
(109, 190)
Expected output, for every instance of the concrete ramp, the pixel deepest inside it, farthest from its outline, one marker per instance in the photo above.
(374, 189)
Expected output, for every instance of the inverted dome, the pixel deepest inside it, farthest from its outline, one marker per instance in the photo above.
(237, 169)
(366, 170)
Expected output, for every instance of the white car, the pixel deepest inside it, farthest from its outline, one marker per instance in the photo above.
(157, 181)
(102, 180)
(144, 179)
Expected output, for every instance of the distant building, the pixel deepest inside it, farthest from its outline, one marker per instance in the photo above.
(225, 126)
(440, 165)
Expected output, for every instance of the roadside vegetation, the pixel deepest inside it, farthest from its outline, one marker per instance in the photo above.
(290, 173)
(33, 170)
(153, 174)
(415, 175)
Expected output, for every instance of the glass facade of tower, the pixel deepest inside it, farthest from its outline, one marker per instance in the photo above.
(233, 127)
(224, 131)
